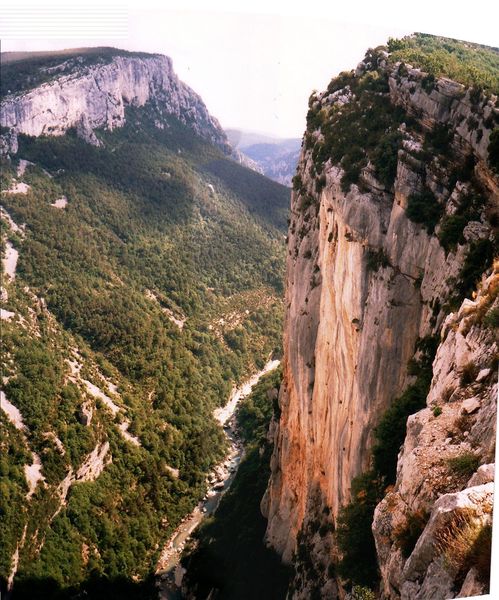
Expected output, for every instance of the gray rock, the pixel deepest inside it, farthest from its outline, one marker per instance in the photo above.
(86, 133)
(437, 584)
(475, 230)
(470, 406)
(472, 585)
(476, 501)
(484, 474)
(102, 92)
(484, 373)
(85, 414)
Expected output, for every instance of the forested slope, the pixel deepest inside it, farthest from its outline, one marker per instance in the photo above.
(139, 283)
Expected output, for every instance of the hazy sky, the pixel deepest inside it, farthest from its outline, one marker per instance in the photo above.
(254, 63)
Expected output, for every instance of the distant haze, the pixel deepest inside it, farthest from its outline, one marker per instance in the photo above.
(254, 67)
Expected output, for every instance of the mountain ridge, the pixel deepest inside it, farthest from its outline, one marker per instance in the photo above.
(274, 157)
(91, 90)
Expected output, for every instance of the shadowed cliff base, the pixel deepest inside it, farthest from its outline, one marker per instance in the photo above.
(97, 587)
(229, 559)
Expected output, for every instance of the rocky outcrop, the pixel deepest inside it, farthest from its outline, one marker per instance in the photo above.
(364, 284)
(457, 428)
(96, 96)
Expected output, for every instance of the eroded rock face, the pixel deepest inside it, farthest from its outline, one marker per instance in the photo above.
(96, 97)
(364, 282)
(427, 482)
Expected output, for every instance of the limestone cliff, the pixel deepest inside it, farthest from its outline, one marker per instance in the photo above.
(88, 95)
(389, 162)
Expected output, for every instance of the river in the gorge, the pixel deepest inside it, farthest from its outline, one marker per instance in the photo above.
(169, 572)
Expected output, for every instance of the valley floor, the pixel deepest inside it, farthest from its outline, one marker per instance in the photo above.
(169, 570)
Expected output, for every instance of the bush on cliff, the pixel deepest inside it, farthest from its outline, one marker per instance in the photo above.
(391, 430)
(355, 540)
(424, 208)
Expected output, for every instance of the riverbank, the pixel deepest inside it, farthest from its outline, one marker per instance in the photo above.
(168, 570)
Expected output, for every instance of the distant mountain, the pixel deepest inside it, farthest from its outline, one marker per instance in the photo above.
(276, 157)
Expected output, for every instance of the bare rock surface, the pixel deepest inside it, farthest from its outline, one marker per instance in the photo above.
(97, 95)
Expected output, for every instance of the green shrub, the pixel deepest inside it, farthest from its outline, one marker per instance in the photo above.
(493, 150)
(464, 465)
(349, 177)
(468, 373)
(480, 554)
(451, 231)
(362, 593)
(354, 534)
(408, 534)
(428, 83)
(306, 201)
(438, 139)
(478, 259)
(297, 183)
(424, 208)
(352, 163)
(491, 319)
(385, 158)
(390, 433)
(376, 259)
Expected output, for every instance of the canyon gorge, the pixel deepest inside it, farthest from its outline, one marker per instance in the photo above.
(145, 275)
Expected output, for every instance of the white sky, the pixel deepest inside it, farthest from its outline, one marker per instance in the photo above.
(254, 63)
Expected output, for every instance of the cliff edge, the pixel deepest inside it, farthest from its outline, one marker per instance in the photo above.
(391, 311)
(91, 89)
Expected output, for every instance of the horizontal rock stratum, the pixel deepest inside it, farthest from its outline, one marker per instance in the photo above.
(95, 95)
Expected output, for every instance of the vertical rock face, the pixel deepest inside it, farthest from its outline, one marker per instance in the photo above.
(364, 283)
(90, 96)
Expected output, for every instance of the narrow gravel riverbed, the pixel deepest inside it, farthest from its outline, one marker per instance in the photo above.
(169, 571)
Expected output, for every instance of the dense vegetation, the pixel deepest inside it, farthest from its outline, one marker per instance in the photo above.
(473, 65)
(353, 532)
(349, 138)
(229, 555)
(390, 433)
(424, 208)
(148, 232)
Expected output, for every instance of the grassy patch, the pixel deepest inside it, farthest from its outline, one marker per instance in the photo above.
(473, 65)
(464, 465)
(465, 543)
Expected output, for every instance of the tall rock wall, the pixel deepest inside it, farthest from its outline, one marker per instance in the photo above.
(364, 283)
(96, 95)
